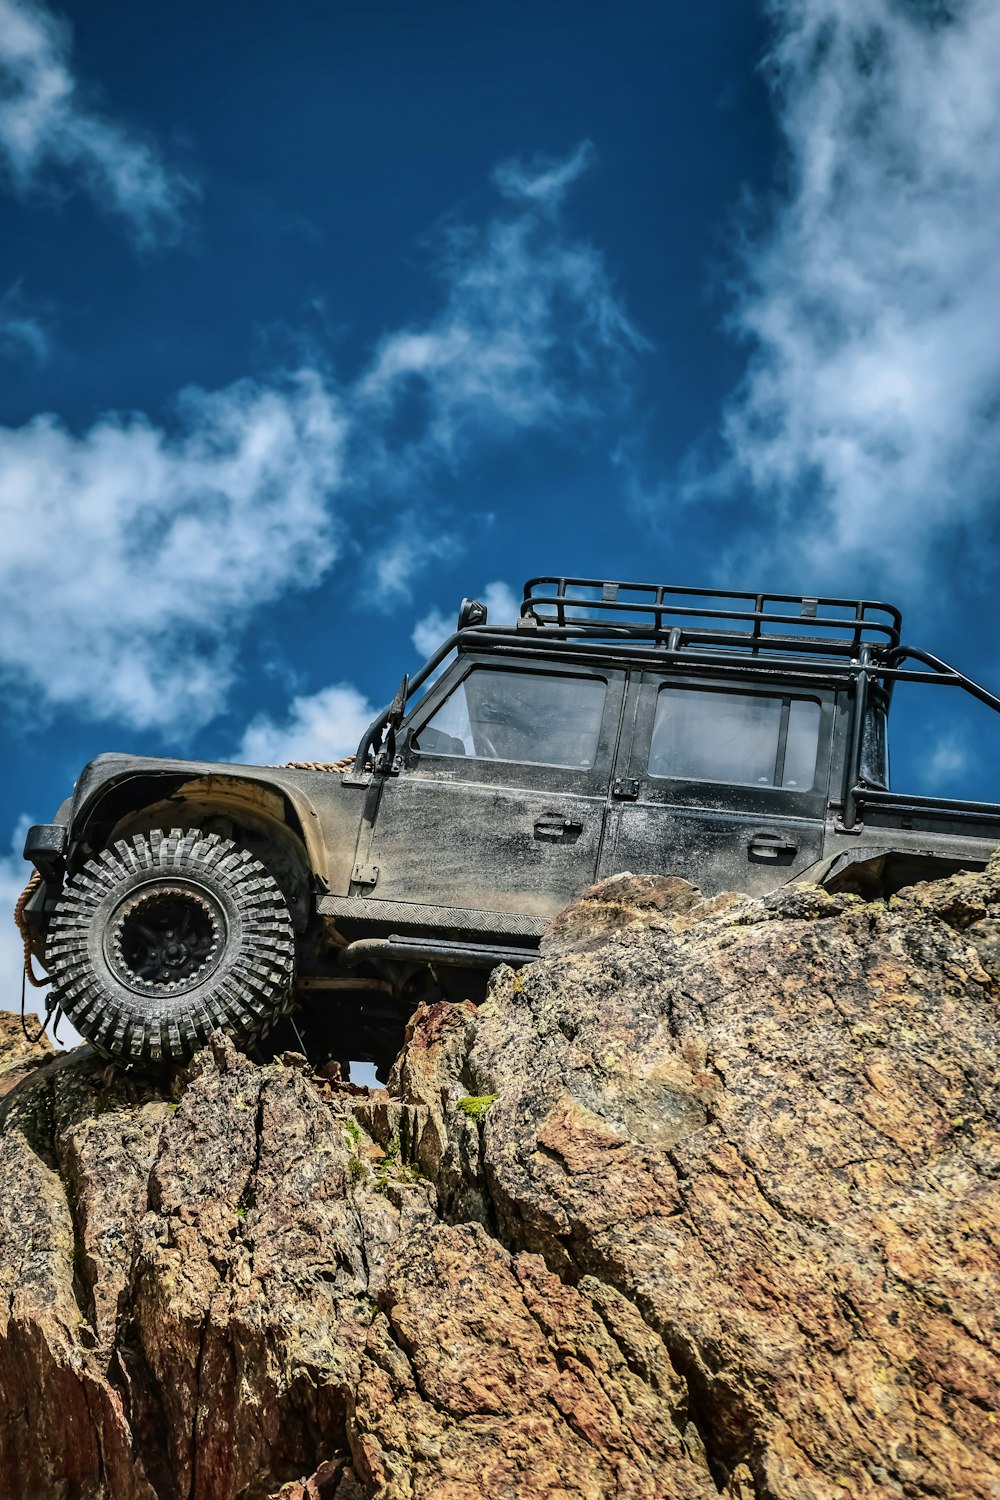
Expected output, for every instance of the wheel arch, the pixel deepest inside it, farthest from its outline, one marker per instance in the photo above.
(276, 823)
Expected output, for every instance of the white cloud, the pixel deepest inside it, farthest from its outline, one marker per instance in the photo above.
(869, 418)
(134, 552)
(322, 726)
(431, 631)
(502, 605)
(46, 128)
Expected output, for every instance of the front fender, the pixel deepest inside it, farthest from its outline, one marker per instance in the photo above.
(112, 787)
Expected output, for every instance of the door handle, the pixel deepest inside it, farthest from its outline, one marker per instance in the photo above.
(771, 846)
(557, 830)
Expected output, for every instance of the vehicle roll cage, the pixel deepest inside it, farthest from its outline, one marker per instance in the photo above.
(633, 623)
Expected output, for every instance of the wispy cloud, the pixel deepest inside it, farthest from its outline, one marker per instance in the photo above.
(543, 179)
(531, 331)
(318, 726)
(148, 544)
(947, 760)
(411, 547)
(50, 135)
(24, 328)
(869, 418)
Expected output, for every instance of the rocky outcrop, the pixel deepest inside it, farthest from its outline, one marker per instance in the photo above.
(703, 1201)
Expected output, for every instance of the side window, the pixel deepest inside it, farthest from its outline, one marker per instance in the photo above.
(529, 717)
(738, 738)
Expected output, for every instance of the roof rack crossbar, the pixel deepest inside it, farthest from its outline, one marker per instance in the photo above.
(696, 591)
(564, 602)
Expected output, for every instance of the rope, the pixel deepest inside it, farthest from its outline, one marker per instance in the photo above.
(319, 765)
(51, 1005)
(29, 971)
(21, 923)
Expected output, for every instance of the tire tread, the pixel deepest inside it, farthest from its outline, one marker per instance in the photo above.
(254, 987)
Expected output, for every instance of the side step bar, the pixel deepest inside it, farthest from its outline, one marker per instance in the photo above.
(396, 914)
(434, 951)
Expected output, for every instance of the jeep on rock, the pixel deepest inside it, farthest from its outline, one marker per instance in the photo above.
(737, 740)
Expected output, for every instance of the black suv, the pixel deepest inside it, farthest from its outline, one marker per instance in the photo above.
(738, 740)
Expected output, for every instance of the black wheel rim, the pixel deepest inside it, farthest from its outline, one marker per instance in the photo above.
(164, 939)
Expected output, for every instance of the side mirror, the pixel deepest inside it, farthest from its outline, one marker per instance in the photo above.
(471, 612)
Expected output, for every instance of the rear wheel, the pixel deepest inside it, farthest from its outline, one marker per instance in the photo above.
(167, 937)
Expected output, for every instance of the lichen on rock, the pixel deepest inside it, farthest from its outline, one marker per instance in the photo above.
(704, 1200)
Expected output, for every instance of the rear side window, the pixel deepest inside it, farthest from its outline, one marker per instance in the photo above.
(739, 738)
(521, 716)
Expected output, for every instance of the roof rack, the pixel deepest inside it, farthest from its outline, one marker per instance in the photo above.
(729, 619)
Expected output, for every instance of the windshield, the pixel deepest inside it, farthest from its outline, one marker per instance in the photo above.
(532, 717)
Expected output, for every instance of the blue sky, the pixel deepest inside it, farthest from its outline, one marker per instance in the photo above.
(315, 318)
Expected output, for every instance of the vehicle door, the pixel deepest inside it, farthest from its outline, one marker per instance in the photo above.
(726, 786)
(500, 800)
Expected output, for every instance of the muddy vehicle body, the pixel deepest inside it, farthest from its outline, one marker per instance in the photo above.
(737, 740)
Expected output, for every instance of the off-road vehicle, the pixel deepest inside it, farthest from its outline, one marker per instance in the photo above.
(738, 740)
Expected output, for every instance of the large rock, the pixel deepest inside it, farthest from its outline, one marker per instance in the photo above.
(706, 1199)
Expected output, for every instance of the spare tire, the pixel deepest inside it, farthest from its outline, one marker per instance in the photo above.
(161, 940)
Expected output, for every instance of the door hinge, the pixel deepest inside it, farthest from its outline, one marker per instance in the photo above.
(626, 788)
(365, 875)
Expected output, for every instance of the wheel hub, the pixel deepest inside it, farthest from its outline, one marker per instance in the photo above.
(166, 938)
